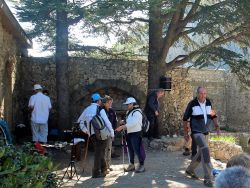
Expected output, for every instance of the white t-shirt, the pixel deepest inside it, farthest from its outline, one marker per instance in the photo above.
(204, 110)
(41, 105)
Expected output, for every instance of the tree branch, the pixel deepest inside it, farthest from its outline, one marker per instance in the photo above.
(75, 20)
(76, 47)
(131, 20)
(218, 41)
(171, 35)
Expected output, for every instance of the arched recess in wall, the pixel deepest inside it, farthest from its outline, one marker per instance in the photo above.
(117, 89)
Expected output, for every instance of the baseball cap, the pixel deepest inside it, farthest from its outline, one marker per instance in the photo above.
(96, 97)
(37, 86)
(130, 100)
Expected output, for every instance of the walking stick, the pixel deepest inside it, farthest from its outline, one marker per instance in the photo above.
(86, 152)
(123, 151)
(124, 144)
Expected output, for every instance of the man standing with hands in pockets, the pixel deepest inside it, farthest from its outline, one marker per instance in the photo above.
(199, 111)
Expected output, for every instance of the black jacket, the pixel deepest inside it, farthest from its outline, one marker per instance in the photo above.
(112, 117)
(196, 115)
(152, 104)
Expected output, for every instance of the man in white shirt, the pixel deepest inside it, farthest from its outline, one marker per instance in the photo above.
(40, 105)
(100, 165)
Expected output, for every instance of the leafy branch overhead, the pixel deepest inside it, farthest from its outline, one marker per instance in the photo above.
(188, 29)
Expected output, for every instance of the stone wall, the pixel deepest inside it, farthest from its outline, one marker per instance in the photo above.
(121, 79)
(9, 61)
(215, 83)
(176, 101)
(237, 105)
(219, 150)
(223, 151)
(116, 78)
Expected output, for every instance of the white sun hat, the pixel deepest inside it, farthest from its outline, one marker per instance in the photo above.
(37, 86)
(130, 100)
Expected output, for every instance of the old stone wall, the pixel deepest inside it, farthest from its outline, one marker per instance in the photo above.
(121, 78)
(237, 105)
(9, 61)
(116, 78)
(215, 83)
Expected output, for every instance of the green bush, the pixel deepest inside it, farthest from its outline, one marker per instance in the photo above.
(230, 139)
(24, 167)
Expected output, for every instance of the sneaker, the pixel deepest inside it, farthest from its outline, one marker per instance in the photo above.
(101, 175)
(192, 174)
(208, 183)
(140, 169)
(130, 167)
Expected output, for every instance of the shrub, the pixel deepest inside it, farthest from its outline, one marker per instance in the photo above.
(23, 167)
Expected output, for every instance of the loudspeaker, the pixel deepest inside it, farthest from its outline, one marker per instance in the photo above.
(165, 82)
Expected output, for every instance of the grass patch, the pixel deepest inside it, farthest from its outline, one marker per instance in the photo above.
(230, 139)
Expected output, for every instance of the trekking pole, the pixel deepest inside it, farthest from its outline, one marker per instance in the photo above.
(86, 152)
(126, 146)
(123, 150)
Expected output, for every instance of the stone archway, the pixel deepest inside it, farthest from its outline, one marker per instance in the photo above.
(119, 90)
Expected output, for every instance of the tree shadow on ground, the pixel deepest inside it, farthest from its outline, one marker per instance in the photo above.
(163, 169)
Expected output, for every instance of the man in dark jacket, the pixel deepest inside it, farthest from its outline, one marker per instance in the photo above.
(199, 111)
(152, 112)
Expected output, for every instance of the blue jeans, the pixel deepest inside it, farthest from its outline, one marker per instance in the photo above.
(134, 145)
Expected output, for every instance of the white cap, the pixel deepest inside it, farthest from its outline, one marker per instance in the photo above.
(37, 86)
(130, 100)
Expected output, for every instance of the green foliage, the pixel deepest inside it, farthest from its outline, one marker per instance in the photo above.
(242, 70)
(230, 139)
(42, 16)
(24, 167)
(203, 28)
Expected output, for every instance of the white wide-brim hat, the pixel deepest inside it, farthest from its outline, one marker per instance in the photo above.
(130, 100)
(37, 86)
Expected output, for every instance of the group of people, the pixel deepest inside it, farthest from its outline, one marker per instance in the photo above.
(132, 125)
(197, 116)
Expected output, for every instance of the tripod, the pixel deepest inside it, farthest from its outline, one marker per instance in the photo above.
(71, 169)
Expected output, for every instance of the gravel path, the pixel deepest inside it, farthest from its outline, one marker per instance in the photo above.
(163, 169)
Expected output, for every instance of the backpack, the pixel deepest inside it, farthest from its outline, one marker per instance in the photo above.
(101, 130)
(145, 122)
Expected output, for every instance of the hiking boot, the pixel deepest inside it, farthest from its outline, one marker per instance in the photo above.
(192, 174)
(140, 169)
(208, 183)
(186, 152)
(101, 175)
(131, 167)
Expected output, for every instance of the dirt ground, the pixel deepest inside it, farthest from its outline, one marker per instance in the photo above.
(163, 169)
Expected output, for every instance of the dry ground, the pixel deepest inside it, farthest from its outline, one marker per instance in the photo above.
(163, 169)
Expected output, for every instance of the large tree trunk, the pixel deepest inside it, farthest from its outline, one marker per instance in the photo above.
(62, 67)
(156, 67)
(156, 56)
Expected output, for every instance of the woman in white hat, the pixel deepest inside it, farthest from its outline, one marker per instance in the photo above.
(133, 126)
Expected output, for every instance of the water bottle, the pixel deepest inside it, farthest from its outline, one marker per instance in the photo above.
(215, 172)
